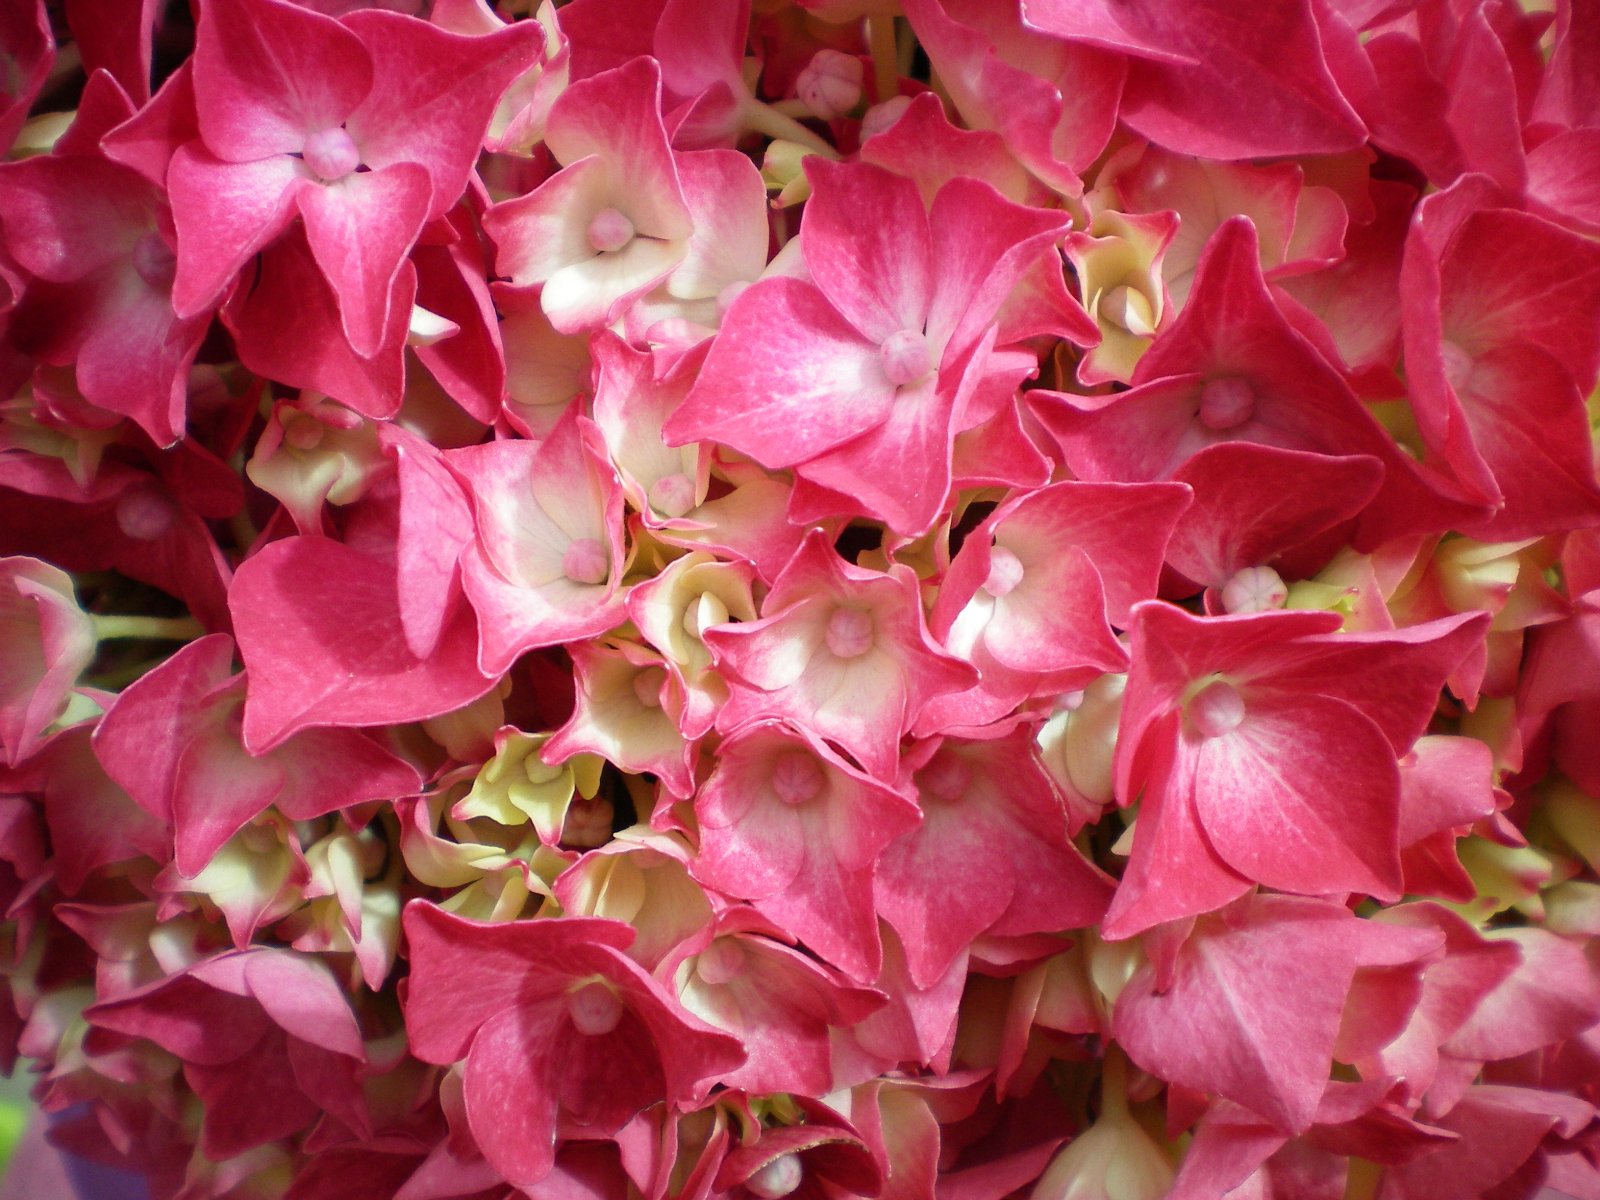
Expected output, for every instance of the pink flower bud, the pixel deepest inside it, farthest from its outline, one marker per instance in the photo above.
(850, 632)
(1227, 403)
(144, 513)
(777, 1179)
(609, 230)
(720, 962)
(906, 357)
(1253, 590)
(830, 84)
(331, 154)
(1216, 709)
(155, 261)
(594, 1008)
(672, 495)
(647, 685)
(585, 561)
(796, 777)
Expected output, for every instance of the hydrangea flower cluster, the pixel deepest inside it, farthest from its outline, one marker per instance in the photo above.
(698, 599)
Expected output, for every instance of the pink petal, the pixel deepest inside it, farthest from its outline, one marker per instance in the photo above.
(877, 270)
(224, 212)
(433, 93)
(787, 379)
(1253, 1006)
(269, 74)
(1303, 796)
(360, 229)
(294, 604)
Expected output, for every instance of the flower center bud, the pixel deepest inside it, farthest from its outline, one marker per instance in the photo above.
(777, 1179)
(301, 430)
(331, 154)
(1253, 590)
(1005, 572)
(905, 356)
(587, 823)
(144, 514)
(1128, 309)
(155, 262)
(945, 778)
(585, 562)
(647, 686)
(609, 230)
(720, 962)
(672, 495)
(850, 632)
(1227, 403)
(797, 777)
(594, 1009)
(1215, 709)
(830, 84)
(705, 612)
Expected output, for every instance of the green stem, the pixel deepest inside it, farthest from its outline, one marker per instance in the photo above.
(165, 629)
(763, 118)
(885, 57)
(1114, 1083)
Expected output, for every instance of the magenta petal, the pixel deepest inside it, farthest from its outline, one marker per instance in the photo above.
(251, 1101)
(433, 94)
(294, 604)
(144, 733)
(787, 379)
(985, 244)
(287, 328)
(360, 229)
(1303, 796)
(464, 972)
(1253, 502)
(137, 356)
(219, 787)
(269, 74)
(510, 1092)
(435, 527)
(1206, 83)
(1253, 1008)
(224, 212)
(866, 244)
(1174, 872)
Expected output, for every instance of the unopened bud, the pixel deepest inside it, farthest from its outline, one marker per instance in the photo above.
(830, 84)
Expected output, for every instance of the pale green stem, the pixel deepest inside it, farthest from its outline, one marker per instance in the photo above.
(763, 118)
(1114, 1083)
(165, 629)
(885, 57)
(796, 108)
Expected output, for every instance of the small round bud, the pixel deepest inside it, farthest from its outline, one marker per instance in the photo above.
(1227, 403)
(720, 962)
(155, 262)
(586, 561)
(1253, 590)
(1215, 709)
(797, 777)
(777, 1179)
(906, 357)
(609, 230)
(331, 154)
(830, 84)
(672, 495)
(850, 632)
(594, 1009)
